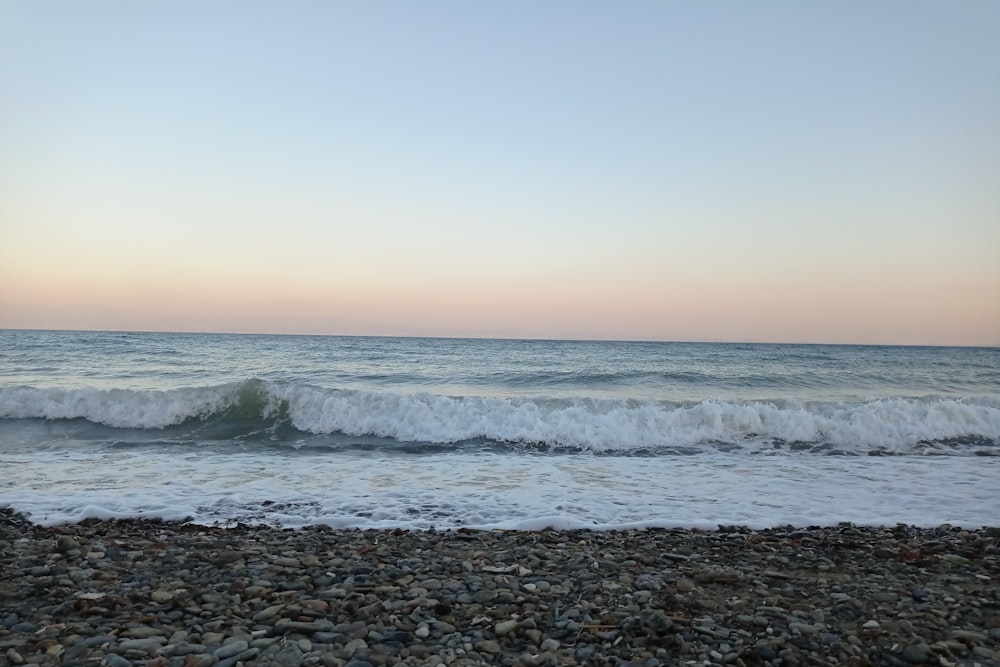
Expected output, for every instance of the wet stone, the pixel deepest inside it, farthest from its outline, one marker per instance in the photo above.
(488, 646)
(289, 656)
(918, 653)
(148, 645)
(505, 627)
(115, 660)
(231, 649)
(232, 660)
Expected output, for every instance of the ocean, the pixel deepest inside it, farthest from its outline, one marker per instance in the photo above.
(369, 432)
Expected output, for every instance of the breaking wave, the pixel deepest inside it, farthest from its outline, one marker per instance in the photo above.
(889, 425)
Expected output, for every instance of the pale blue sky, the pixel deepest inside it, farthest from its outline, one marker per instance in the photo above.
(707, 170)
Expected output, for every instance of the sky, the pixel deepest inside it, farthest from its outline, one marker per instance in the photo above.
(724, 171)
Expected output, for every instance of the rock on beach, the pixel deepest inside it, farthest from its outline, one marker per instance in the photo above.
(166, 594)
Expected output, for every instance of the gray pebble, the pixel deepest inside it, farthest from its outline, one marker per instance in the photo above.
(115, 660)
(230, 649)
(232, 660)
(918, 653)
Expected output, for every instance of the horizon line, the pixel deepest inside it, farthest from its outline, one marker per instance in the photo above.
(706, 341)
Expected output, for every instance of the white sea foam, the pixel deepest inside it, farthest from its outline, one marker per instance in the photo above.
(121, 408)
(496, 490)
(895, 425)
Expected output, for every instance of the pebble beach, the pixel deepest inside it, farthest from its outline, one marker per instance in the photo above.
(174, 594)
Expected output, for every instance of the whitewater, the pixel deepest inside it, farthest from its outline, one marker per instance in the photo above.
(445, 433)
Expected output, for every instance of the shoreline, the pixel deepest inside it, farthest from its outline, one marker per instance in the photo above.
(168, 594)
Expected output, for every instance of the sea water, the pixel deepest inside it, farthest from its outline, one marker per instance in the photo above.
(520, 434)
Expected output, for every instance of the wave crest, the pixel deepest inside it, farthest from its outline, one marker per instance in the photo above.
(890, 425)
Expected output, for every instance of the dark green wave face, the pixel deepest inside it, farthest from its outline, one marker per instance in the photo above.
(252, 401)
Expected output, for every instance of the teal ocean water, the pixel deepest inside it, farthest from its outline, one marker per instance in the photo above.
(415, 432)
